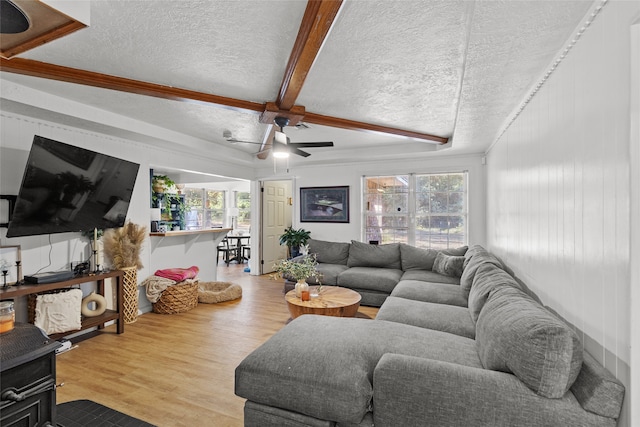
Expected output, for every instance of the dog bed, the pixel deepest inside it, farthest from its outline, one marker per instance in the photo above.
(214, 292)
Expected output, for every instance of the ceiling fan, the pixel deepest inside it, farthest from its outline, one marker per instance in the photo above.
(281, 146)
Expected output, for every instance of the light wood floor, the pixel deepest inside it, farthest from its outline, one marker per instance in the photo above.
(178, 370)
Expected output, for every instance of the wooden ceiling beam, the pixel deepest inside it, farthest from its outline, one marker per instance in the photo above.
(295, 114)
(336, 122)
(318, 19)
(89, 78)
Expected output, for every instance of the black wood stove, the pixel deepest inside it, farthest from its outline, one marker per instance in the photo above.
(27, 377)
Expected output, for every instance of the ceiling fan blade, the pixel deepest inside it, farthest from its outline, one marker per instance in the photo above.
(237, 141)
(294, 150)
(264, 153)
(265, 149)
(311, 144)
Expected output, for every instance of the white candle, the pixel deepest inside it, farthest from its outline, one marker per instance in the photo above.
(95, 234)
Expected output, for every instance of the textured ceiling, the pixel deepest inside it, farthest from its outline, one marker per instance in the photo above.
(451, 68)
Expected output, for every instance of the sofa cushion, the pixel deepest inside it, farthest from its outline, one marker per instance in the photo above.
(439, 293)
(459, 251)
(479, 258)
(329, 252)
(439, 317)
(377, 279)
(597, 390)
(470, 253)
(488, 278)
(322, 366)
(413, 258)
(516, 334)
(448, 265)
(330, 273)
(429, 276)
(371, 298)
(366, 255)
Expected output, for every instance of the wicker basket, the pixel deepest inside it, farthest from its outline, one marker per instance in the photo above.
(177, 299)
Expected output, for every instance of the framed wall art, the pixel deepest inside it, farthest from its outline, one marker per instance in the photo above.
(324, 204)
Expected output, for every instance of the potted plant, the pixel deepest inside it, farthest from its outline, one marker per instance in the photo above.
(299, 270)
(294, 239)
(160, 183)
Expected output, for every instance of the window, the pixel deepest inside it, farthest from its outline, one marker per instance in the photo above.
(243, 203)
(204, 208)
(424, 210)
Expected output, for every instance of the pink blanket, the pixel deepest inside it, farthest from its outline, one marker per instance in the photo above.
(178, 274)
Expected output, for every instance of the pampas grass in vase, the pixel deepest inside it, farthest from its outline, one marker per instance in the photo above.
(122, 248)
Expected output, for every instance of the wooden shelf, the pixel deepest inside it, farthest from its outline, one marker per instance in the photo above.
(190, 232)
(87, 322)
(34, 288)
(90, 322)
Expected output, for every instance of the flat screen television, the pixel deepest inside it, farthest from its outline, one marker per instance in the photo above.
(69, 189)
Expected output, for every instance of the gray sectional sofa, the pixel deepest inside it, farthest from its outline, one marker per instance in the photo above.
(501, 358)
(375, 270)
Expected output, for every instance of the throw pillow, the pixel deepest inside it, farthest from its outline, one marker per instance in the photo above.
(59, 312)
(448, 265)
(471, 252)
(515, 334)
(459, 251)
(381, 256)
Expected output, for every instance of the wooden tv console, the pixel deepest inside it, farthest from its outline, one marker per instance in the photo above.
(87, 322)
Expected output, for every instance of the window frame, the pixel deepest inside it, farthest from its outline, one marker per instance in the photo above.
(202, 209)
(409, 233)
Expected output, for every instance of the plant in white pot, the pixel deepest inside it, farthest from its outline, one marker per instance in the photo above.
(161, 183)
(294, 239)
(299, 270)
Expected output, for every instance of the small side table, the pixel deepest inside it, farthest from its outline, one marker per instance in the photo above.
(332, 301)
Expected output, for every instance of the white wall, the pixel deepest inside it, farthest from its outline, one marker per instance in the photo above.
(558, 187)
(16, 135)
(351, 175)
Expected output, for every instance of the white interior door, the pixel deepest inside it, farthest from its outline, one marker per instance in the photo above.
(276, 216)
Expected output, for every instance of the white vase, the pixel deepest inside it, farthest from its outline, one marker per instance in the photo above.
(301, 285)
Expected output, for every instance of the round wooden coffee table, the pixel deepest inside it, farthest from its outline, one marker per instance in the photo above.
(332, 301)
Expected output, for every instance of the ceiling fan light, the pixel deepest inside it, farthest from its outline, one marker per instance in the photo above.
(280, 154)
(280, 151)
(280, 137)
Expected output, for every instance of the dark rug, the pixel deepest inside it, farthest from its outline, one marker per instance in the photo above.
(86, 413)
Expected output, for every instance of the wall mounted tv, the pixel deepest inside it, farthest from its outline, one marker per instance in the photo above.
(67, 188)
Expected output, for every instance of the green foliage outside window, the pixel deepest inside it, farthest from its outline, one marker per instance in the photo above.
(427, 210)
(204, 208)
(243, 203)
